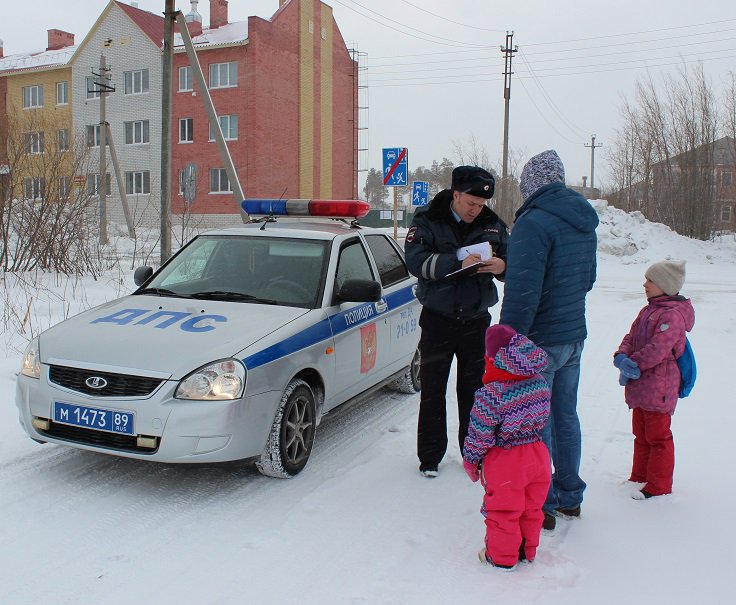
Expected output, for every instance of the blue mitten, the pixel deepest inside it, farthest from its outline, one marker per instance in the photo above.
(629, 368)
(622, 380)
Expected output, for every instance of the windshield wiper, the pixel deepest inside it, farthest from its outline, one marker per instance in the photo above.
(161, 292)
(226, 295)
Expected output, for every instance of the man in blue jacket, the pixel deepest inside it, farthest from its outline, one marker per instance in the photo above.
(551, 266)
(455, 306)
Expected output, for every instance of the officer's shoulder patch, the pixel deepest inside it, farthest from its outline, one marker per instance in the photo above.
(411, 235)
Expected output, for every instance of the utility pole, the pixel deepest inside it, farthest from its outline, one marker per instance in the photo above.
(214, 120)
(166, 102)
(103, 87)
(592, 159)
(508, 52)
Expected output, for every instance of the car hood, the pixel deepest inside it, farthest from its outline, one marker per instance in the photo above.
(161, 337)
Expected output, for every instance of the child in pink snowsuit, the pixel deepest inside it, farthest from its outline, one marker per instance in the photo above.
(647, 360)
(504, 447)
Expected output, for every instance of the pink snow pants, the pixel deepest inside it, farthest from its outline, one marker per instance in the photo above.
(516, 481)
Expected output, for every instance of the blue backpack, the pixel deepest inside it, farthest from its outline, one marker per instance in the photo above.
(688, 370)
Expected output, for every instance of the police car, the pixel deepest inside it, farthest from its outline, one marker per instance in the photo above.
(235, 348)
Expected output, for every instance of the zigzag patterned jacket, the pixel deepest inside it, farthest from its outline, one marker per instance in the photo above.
(512, 410)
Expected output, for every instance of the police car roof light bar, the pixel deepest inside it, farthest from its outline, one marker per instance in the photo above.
(323, 208)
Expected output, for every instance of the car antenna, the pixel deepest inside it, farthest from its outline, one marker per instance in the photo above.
(271, 218)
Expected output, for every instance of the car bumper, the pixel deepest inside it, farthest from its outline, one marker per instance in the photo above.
(166, 429)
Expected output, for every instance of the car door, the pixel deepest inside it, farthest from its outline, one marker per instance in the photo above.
(361, 330)
(399, 291)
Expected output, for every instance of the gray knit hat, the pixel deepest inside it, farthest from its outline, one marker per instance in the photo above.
(543, 169)
(669, 275)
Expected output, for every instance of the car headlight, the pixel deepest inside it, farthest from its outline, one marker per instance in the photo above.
(217, 381)
(32, 360)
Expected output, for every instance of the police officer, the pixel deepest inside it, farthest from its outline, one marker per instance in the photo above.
(455, 312)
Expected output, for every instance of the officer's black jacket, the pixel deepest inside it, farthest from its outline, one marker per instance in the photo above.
(431, 248)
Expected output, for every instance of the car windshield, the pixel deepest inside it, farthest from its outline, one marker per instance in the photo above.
(243, 269)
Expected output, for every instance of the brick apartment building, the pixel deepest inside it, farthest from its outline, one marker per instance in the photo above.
(285, 90)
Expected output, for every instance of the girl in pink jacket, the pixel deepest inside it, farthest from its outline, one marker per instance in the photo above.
(504, 448)
(647, 360)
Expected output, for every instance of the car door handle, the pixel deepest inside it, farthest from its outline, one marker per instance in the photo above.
(381, 306)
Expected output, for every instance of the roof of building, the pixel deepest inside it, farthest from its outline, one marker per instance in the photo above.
(150, 23)
(225, 35)
(39, 60)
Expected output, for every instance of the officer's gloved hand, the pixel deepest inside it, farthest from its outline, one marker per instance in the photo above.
(629, 368)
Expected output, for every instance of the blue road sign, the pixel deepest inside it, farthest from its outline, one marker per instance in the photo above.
(420, 193)
(395, 166)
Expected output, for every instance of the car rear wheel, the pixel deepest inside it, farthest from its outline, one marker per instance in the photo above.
(292, 433)
(409, 382)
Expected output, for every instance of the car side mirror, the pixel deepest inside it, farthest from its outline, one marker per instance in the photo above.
(141, 275)
(359, 290)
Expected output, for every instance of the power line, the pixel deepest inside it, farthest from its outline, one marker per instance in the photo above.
(559, 71)
(434, 39)
(549, 100)
(541, 114)
(424, 10)
(642, 32)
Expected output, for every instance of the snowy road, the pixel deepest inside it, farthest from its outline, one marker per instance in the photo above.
(360, 526)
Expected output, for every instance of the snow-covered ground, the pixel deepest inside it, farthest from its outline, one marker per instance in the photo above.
(360, 525)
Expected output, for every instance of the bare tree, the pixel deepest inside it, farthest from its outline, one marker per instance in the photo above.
(661, 160)
(48, 219)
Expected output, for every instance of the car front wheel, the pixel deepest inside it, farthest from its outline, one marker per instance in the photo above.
(292, 433)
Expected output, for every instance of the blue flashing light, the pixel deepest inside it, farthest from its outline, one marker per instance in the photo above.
(267, 207)
(303, 207)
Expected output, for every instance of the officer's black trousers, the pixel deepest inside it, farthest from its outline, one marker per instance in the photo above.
(442, 339)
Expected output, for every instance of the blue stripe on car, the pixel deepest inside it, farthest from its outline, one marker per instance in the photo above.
(326, 329)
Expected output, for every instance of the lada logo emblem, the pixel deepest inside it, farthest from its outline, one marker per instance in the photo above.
(96, 382)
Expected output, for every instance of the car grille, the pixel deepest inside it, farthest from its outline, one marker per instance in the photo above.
(113, 441)
(118, 385)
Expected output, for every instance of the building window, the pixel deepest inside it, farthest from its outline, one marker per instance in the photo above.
(65, 186)
(219, 182)
(135, 82)
(93, 135)
(726, 178)
(62, 139)
(136, 132)
(223, 75)
(35, 188)
(93, 184)
(32, 96)
(186, 82)
(186, 130)
(62, 93)
(138, 182)
(93, 92)
(34, 142)
(229, 125)
(726, 213)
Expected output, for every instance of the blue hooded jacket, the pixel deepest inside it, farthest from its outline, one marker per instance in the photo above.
(551, 262)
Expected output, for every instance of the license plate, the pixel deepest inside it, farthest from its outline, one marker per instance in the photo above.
(112, 421)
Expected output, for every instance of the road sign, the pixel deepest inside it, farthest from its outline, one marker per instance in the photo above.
(189, 182)
(395, 166)
(420, 193)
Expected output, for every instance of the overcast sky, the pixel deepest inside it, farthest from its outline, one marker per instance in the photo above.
(435, 69)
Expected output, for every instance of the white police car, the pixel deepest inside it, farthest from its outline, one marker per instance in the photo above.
(234, 349)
